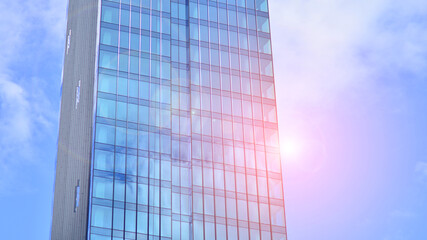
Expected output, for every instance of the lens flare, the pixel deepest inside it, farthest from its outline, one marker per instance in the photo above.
(291, 148)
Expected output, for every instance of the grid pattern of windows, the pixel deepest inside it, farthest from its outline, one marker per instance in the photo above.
(186, 136)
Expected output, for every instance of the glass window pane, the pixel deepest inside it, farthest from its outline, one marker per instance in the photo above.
(136, 2)
(143, 167)
(142, 222)
(241, 3)
(242, 19)
(275, 188)
(118, 218)
(266, 67)
(266, 235)
(193, 10)
(251, 22)
(229, 181)
(262, 186)
(155, 46)
(166, 49)
(105, 133)
(223, 37)
(232, 232)
(198, 203)
(262, 24)
(252, 189)
(233, 39)
(208, 177)
(142, 140)
(244, 65)
(108, 59)
(221, 232)
(119, 190)
(182, 11)
(209, 204)
(124, 39)
(253, 211)
(222, 15)
(166, 6)
(186, 204)
(142, 194)
(123, 62)
(231, 208)
(134, 19)
(155, 5)
(241, 182)
(254, 234)
(269, 113)
(232, 19)
(271, 137)
(203, 9)
(131, 163)
(134, 41)
(254, 65)
(121, 136)
(109, 37)
(194, 31)
(213, 15)
(264, 45)
(261, 5)
(166, 226)
(231, 2)
(145, 21)
(250, 4)
(107, 83)
(106, 108)
(166, 198)
(243, 233)
(101, 216)
(256, 89)
(197, 175)
(277, 215)
(102, 188)
(120, 163)
(268, 90)
(198, 229)
(264, 213)
(104, 160)
(155, 23)
(273, 162)
(110, 14)
(124, 18)
(130, 221)
(243, 41)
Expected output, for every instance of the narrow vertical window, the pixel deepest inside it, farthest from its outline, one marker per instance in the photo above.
(77, 196)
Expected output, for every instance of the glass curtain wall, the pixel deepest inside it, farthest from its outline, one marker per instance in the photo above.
(186, 137)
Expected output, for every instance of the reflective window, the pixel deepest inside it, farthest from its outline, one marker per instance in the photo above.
(109, 36)
(110, 15)
(101, 216)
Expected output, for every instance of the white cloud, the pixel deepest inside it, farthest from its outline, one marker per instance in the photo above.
(328, 48)
(15, 109)
(344, 59)
(28, 29)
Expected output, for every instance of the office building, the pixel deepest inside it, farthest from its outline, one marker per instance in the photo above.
(168, 126)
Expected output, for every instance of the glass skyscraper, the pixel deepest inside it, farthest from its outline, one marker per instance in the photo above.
(168, 123)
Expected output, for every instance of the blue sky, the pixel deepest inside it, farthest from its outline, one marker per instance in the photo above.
(351, 85)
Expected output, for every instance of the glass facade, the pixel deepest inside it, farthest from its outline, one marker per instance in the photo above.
(186, 136)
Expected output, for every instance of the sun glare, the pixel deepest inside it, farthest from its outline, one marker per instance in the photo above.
(291, 148)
